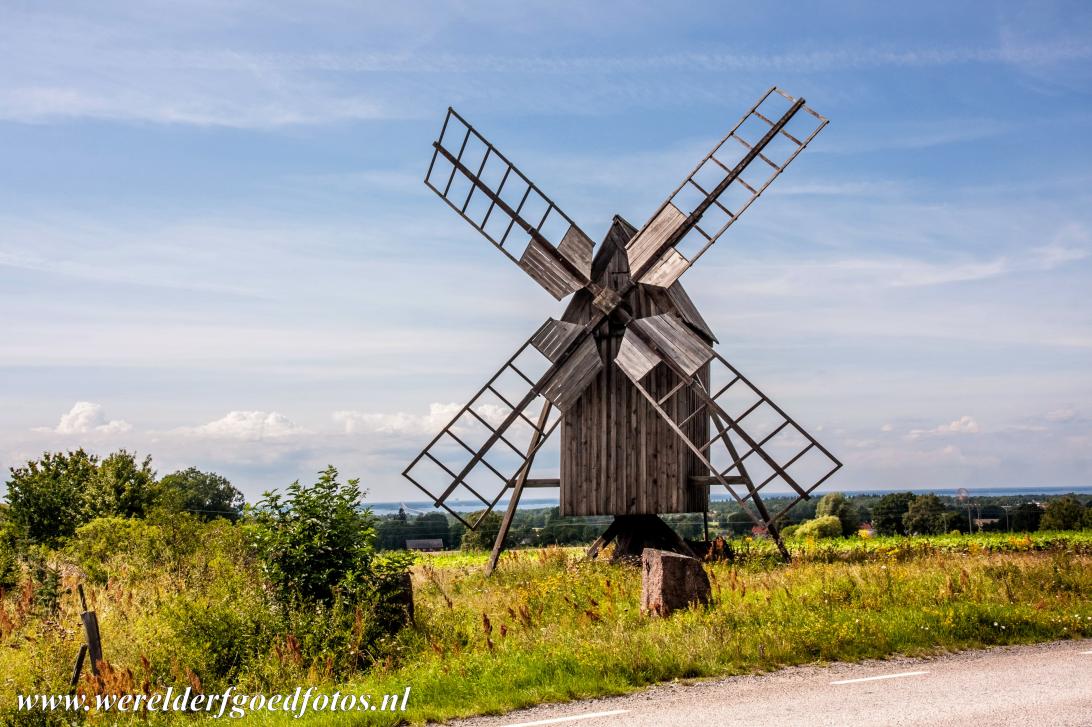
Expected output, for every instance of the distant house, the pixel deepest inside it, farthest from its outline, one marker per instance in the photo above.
(425, 544)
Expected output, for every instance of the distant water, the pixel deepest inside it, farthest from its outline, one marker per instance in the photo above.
(422, 506)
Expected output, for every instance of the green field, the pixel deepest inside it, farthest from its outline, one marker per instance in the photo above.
(550, 626)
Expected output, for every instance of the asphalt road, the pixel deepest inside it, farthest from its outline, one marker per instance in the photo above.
(1045, 684)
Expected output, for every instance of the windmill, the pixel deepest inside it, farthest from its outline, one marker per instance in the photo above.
(650, 415)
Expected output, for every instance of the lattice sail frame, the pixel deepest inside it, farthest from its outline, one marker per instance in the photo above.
(459, 444)
(714, 195)
(499, 201)
(772, 434)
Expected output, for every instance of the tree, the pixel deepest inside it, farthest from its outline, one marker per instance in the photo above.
(836, 505)
(1065, 513)
(121, 487)
(1026, 517)
(431, 526)
(46, 496)
(206, 494)
(888, 513)
(483, 536)
(925, 516)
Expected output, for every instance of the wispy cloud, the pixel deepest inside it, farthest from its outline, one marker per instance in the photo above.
(966, 424)
(124, 66)
(249, 425)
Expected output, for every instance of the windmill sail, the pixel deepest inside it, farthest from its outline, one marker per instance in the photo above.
(498, 200)
(722, 186)
(747, 422)
(491, 439)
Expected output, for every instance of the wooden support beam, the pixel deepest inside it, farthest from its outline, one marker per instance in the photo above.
(539, 482)
(771, 527)
(517, 488)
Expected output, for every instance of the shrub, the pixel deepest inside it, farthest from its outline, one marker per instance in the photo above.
(828, 526)
(10, 570)
(316, 540)
(317, 547)
(108, 542)
(835, 504)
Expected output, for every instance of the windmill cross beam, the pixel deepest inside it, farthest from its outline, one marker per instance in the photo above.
(626, 373)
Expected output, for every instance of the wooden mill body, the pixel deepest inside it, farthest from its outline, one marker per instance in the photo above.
(618, 456)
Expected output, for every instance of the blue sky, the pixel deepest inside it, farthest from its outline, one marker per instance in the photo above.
(215, 245)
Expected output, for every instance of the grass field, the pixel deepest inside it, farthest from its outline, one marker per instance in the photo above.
(549, 626)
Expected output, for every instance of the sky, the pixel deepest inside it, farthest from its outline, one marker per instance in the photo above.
(216, 246)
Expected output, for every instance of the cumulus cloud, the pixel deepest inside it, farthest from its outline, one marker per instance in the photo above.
(361, 422)
(249, 425)
(964, 425)
(404, 423)
(87, 417)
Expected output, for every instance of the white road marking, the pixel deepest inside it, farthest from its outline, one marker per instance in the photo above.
(574, 718)
(883, 676)
(1086, 652)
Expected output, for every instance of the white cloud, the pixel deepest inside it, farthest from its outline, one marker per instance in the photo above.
(360, 422)
(87, 417)
(438, 416)
(964, 425)
(249, 425)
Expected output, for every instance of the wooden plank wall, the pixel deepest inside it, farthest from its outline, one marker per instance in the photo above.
(617, 456)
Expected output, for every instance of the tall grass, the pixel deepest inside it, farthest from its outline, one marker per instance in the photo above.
(550, 626)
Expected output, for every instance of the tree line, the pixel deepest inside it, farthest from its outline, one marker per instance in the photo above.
(49, 498)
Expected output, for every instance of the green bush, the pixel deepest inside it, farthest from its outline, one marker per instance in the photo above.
(10, 570)
(115, 541)
(317, 540)
(828, 526)
(218, 636)
(836, 505)
(317, 547)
